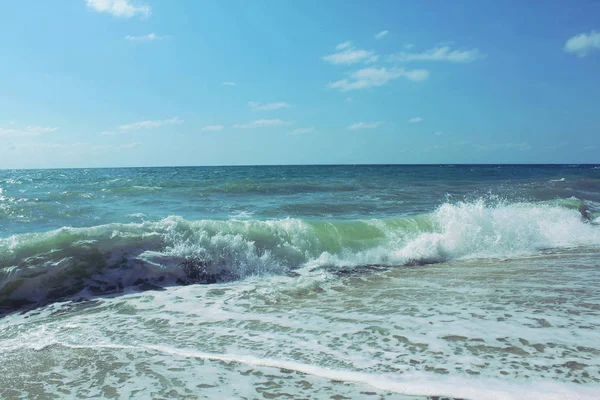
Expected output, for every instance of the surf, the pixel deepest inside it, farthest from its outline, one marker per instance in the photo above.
(113, 258)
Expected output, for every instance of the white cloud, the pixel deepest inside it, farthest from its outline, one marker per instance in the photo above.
(145, 38)
(556, 146)
(522, 146)
(300, 131)
(583, 44)
(149, 124)
(80, 146)
(212, 128)
(381, 35)
(119, 8)
(416, 74)
(45, 145)
(40, 129)
(130, 145)
(364, 125)
(415, 120)
(375, 77)
(438, 133)
(263, 123)
(348, 54)
(267, 106)
(348, 99)
(443, 53)
(344, 45)
(228, 83)
(34, 145)
(409, 46)
(27, 131)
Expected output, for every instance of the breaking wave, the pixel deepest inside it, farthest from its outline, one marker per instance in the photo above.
(110, 258)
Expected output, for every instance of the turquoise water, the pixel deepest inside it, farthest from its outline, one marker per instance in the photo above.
(313, 281)
(41, 200)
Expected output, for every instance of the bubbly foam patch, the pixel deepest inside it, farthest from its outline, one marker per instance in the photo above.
(413, 384)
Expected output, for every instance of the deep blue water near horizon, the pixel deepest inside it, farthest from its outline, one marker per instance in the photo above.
(378, 281)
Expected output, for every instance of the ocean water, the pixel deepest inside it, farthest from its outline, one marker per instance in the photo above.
(360, 282)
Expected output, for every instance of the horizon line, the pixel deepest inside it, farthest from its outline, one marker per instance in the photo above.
(310, 165)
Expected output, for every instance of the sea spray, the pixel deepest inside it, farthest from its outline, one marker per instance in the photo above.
(109, 258)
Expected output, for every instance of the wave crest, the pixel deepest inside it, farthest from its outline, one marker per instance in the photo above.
(109, 258)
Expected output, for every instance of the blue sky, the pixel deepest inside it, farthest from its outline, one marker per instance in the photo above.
(92, 83)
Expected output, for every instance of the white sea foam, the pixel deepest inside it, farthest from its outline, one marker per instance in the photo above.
(241, 215)
(137, 215)
(120, 254)
(509, 329)
(413, 384)
(417, 384)
(476, 230)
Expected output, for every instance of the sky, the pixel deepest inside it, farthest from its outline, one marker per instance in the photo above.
(119, 83)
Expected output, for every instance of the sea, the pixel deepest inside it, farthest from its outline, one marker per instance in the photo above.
(301, 282)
